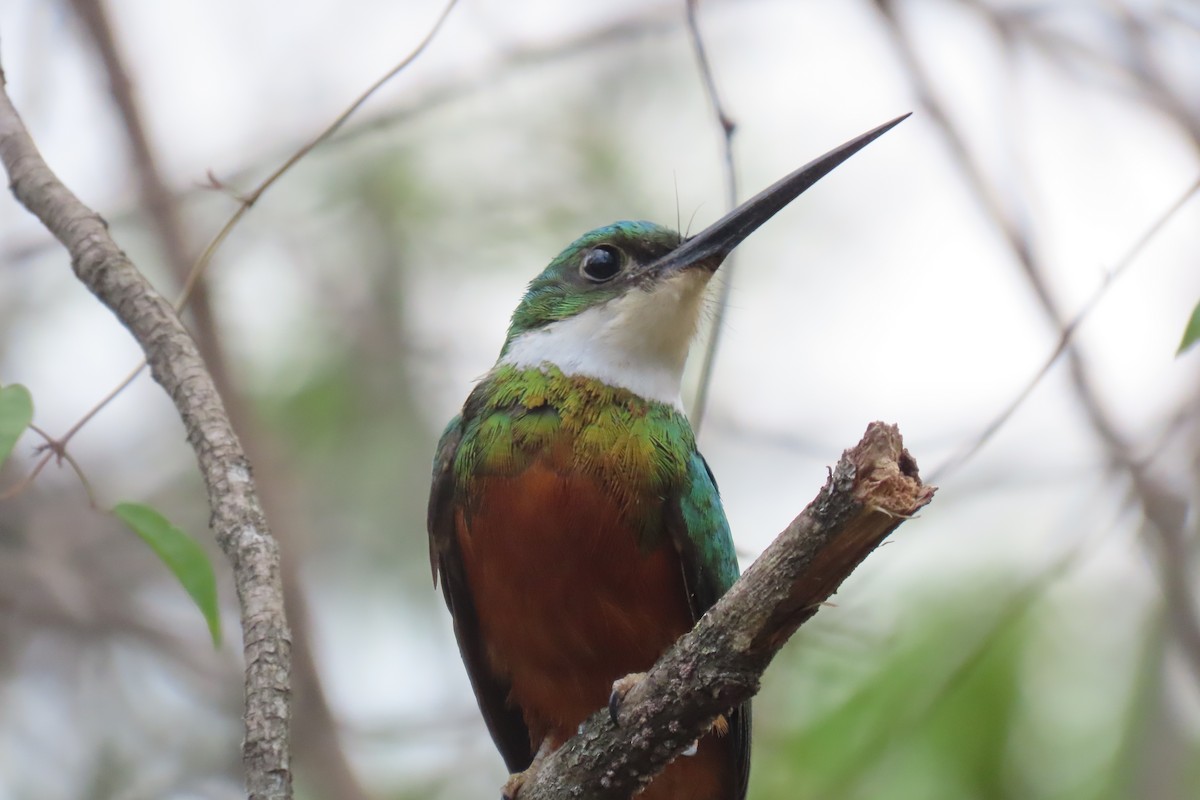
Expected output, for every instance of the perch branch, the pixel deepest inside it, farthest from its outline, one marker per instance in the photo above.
(717, 665)
(237, 518)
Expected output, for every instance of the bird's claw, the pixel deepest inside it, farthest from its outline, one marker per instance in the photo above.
(512, 786)
(620, 688)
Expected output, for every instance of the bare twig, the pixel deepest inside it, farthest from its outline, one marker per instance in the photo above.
(652, 22)
(104, 401)
(53, 449)
(28, 480)
(160, 202)
(727, 127)
(237, 518)
(246, 202)
(1163, 508)
(1067, 334)
(59, 445)
(156, 199)
(319, 754)
(717, 666)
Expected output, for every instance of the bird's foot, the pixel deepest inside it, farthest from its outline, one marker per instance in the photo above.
(512, 787)
(620, 688)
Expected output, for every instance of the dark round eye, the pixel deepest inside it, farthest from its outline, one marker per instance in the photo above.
(601, 264)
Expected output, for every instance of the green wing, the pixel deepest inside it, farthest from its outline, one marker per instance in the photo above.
(504, 722)
(701, 534)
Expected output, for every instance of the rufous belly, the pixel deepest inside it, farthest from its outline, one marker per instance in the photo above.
(568, 602)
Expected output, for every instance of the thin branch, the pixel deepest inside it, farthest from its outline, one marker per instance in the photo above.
(727, 127)
(156, 199)
(717, 666)
(237, 518)
(437, 94)
(1069, 329)
(319, 756)
(104, 401)
(53, 449)
(245, 204)
(59, 446)
(87, 486)
(1163, 508)
(28, 480)
(248, 201)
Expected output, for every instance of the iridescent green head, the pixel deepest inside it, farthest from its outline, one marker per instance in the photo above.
(621, 303)
(593, 270)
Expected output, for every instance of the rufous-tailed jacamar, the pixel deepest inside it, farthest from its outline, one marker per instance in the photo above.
(575, 528)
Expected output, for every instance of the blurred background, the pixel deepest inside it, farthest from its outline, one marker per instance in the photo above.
(1033, 635)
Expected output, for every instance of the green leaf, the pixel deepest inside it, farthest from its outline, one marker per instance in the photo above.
(16, 412)
(1191, 334)
(182, 554)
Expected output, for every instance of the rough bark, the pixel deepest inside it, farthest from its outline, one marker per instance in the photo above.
(237, 519)
(315, 733)
(874, 488)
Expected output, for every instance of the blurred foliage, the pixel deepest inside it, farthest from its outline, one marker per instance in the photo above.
(1191, 334)
(16, 412)
(946, 707)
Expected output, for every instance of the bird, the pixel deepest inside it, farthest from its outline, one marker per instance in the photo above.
(574, 526)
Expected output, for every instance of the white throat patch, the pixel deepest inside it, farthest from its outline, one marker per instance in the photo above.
(638, 341)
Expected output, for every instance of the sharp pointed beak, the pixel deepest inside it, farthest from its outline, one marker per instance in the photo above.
(710, 247)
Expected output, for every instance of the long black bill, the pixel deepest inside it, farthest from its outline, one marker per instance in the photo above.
(714, 243)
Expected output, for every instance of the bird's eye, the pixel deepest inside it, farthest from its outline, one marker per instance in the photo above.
(601, 264)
